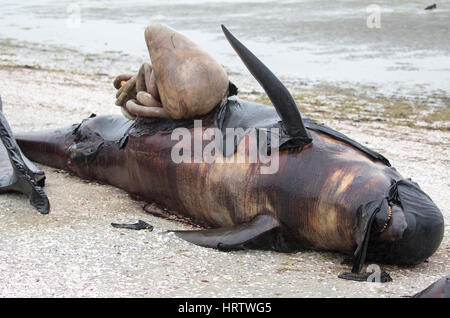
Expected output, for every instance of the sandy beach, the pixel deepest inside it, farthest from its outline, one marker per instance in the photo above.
(386, 86)
(75, 252)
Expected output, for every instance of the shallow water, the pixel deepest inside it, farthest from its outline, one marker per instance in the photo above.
(304, 41)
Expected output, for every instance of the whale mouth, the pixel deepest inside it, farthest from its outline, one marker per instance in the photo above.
(404, 228)
(396, 225)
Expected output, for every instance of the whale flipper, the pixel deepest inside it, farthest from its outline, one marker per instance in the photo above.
(233, 237)
(17, 173)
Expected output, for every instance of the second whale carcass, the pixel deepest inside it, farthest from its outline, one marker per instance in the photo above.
(328, 193)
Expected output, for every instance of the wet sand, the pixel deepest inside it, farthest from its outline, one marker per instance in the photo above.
(308, 40)
(75, 252)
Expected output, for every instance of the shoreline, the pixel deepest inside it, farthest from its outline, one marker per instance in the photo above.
(406, 103)
(322, 100)
(74, 251)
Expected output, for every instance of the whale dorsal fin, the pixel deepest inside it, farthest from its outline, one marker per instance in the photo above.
(278, 94)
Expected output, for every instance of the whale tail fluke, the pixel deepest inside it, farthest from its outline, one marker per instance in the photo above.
(17, 173)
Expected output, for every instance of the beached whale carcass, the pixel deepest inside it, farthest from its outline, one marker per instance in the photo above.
(329, 193)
